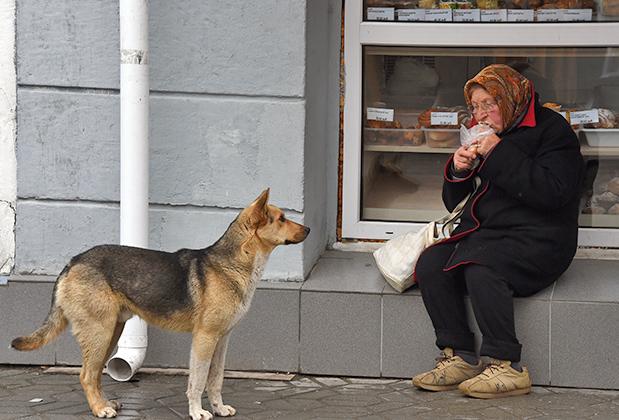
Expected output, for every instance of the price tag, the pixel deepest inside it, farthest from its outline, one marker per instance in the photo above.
(380, 114)
(548, 15)
(577, 15)
(517, 15)
(411, 15)
(438, 15)
(466, 15)
(443, 118)
(584, 117)
(494, 15)
(381, 13)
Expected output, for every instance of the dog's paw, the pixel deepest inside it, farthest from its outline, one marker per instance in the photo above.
(200, 414)
(116, 405)
(105, 413)
(224, 410)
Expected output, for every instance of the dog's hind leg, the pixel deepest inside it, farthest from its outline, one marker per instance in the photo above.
(117, 332)
(95, 338)
(216, 379)
(202, 349)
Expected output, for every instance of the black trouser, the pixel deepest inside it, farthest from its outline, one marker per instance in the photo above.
(491, 298)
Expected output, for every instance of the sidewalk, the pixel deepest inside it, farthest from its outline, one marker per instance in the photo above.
(161, 397)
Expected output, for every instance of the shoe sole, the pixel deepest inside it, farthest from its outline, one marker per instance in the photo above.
(487, 395)
(435, 388)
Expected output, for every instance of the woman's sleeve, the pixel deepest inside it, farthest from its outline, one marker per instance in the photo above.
(547, 180)
(456, 188)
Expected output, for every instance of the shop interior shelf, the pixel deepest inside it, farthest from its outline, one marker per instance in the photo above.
(392, 197)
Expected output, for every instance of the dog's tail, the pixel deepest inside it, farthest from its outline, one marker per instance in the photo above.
(54, 324)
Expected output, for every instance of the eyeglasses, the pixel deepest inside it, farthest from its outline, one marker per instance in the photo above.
(482, 106)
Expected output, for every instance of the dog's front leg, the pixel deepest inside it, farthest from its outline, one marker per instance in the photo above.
(202, 349)
(216, 379)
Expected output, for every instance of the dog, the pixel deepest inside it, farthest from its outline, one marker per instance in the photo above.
(202, 291)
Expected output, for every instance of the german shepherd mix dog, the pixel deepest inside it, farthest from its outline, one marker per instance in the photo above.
(202, 291)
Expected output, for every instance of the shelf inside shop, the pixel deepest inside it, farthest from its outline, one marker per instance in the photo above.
(599, 220)
(492, 51)
(393, 198)
(584, 149)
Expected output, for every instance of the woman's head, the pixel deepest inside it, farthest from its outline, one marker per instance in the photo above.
(498, 95)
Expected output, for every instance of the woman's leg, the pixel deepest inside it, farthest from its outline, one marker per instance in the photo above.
(493, 306)
(443, 297)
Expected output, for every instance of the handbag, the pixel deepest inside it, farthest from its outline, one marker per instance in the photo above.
(397, 258)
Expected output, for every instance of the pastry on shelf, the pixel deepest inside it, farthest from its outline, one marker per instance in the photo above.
(614, 209)
(607, 119)
(383, 124)
(610, 7)
(554, 106)
(606, 200)
(487, 4)
(593, 210)
(428, 4)
(613, 186)
(413, 138)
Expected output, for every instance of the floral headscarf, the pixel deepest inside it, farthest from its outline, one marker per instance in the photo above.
(511, 90)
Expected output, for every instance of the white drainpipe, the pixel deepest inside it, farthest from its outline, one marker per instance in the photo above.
(134, 98)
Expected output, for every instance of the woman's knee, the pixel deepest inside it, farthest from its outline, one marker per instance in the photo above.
(430, 267)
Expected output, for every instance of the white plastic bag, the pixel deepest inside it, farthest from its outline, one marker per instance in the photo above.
(396, 259)
(469, 136)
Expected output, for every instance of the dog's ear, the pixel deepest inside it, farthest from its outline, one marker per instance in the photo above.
(259, 212)
(262, 199)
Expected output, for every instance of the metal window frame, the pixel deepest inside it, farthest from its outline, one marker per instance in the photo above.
(359, 33)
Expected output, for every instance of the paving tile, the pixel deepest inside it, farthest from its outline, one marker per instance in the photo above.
(340, 398)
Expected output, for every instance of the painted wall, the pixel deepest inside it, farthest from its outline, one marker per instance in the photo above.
(7, 135)
(235, 107)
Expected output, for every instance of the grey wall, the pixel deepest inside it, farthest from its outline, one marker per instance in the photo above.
(240, 101)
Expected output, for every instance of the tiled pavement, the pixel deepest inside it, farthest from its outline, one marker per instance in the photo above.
(161, 397)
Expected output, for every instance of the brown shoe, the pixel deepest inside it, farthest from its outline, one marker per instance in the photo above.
(450, 371)
(498, 380)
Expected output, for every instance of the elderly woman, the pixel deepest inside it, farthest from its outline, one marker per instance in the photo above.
(517, 235)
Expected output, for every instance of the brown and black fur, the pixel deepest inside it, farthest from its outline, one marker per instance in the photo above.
(202, 291)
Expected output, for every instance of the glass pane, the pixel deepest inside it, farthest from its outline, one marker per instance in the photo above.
(491, 10)
(413, 106)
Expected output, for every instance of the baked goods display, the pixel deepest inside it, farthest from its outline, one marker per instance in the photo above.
(610, 7)
(606, 199)
(442, 135)
(607, 119)
(395, 133)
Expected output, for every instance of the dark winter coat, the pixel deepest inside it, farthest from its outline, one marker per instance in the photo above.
(523, 219)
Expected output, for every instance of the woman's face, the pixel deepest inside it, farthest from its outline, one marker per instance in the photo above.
(485, 109)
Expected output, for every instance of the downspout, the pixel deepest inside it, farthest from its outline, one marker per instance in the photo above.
(134, 105)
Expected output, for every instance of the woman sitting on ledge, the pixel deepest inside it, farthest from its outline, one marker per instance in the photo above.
(517, 234)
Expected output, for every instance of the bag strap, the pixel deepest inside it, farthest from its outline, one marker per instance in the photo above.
(449, 220)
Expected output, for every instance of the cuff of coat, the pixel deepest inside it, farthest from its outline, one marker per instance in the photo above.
(450, 173)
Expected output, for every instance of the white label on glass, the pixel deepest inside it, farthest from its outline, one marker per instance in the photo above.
(411, 15)
(438, 15)
(494, 15)
(515, 15)
(381, 13)
(584, 117)
(466, 15)
(443, 118)
(577, 15)
(380, 114)
(548, 15)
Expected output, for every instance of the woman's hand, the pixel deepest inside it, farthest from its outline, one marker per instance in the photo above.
(464, 158)
(487, 143)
